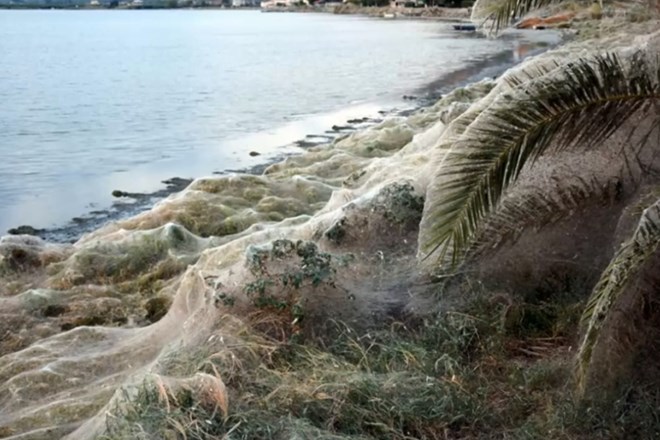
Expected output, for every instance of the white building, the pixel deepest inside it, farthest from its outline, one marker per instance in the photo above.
(273, 4)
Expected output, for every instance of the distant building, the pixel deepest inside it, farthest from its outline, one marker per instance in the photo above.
(213, 3)
(273, 4)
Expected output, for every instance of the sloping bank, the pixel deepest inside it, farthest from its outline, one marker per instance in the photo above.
(294, 304)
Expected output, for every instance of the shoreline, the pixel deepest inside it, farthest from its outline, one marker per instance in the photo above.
(424, 97)
(402, 13)
(430, 13)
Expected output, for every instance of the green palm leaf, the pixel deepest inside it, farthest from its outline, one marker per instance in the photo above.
(579, 105)
(627, 263)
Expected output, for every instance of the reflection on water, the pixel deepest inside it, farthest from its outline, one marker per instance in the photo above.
(93, 101)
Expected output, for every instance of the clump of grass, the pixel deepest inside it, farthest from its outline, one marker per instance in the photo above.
(14, 284)
(155, 279)
(231, 184)
(136, 266)
(157, 411)
(638, 13)
(394, 383)
(17, 259)
(461, 374)
(631, 413)
(208, 219)
(113, 267)
(303, 387)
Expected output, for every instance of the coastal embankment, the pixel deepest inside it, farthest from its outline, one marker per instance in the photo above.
(298, 303)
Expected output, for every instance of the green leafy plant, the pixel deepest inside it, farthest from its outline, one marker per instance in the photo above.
(281, 292)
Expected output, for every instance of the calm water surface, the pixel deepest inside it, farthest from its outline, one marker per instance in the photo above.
(92, 101)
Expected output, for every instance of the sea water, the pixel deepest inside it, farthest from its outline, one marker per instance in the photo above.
(93, 101)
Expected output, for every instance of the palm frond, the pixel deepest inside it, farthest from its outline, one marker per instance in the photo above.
(581, 105)
(627, 262)
(513, 78)
(501, 13)
(537, 208)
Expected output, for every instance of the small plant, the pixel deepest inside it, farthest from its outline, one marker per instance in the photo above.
(399, 203)
(281, 292)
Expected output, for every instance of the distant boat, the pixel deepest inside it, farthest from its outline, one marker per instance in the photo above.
(465, 27)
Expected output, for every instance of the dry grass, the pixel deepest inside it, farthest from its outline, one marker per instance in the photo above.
(465, 374)
(141, 266)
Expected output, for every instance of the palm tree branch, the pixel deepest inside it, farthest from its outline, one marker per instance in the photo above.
(627, 263)
(584, 106)
(486, 181)
(537, 207)
(503, 11)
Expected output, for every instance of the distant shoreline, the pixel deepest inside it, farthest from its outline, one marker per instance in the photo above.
(121, 8)
(440, 13)
(430, 13)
